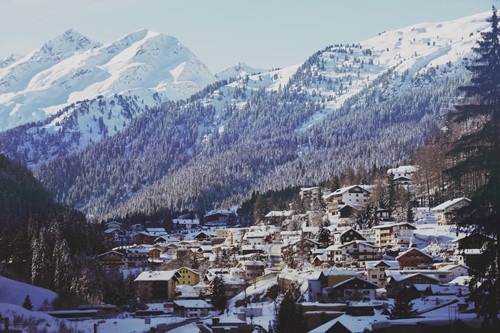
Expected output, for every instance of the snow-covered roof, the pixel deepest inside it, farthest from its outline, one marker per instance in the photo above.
(156, 276)
(252, 263)
(342, 190)
(450, 267)
(392, 264)
(450, 203)
(255, 234)
(336, 272)
(186, 221)
(401, 275)
(109, 252)
(413, 249)
(193, 304)
(215, 212)
(365, 243)
(110, 230)
(403, 169)
(280, 213)
(310, 229)
(392, 225)
(352, 279)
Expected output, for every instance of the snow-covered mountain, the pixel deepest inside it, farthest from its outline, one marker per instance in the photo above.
(72, 68)
(238, 70)
(367, 103)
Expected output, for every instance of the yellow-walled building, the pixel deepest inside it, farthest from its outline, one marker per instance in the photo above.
(188, 276)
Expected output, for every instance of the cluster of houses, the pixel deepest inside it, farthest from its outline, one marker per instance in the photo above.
(339, 263)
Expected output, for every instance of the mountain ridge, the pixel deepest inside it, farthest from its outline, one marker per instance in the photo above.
(357, 104)
(72, 68)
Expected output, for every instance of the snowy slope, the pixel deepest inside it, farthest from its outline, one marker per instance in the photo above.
(14, 292)
(420, 54)
(240, 69)
(72, 68)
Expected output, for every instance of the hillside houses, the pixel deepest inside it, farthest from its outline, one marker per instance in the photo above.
(335, 261)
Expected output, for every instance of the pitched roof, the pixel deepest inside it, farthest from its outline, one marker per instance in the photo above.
(373, 285)
(156, 276)
(410, 250)
(193, 303)
(450, 203)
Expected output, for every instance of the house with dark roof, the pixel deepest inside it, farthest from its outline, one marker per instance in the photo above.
(414, 259)
(353, 289)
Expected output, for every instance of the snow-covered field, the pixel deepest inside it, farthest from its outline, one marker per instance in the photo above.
(14, 292)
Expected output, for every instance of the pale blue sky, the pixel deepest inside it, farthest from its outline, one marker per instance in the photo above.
(261, 33)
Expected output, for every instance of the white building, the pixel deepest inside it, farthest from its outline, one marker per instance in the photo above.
(394, 234)
(446, 210)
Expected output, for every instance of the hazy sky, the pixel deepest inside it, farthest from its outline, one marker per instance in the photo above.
(261, 33)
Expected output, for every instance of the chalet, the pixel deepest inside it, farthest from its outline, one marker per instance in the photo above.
(192, 308)
(352, 252)
(115, 235)
(326, 278)
(394, 234)
(403, 174)
(455, 270)
(216, 218)
(166, 239)
(188, 276)
(248, 249)
(347, 236)
(112, 259)
(203, 236)
(149, 235)
(155, 253)
(186, 222)
(137, 256)
(224, 233)
(475, 240)
(375, 271)
(251, 269)
(414, 259)
(397, 281)
(384, 214)
(309, 232)
(310, 196)
(256, 237)
(277, 217)
(156, 286)
(355, 195)
(446, 211)
(354, 289)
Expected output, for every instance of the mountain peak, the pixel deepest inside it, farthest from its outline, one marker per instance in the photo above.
(67, 43)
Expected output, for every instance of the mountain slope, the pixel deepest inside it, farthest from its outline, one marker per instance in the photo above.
(21, 194)
(72, 68)
(370, 103)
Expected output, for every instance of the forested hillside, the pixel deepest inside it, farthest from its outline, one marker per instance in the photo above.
(371, 104)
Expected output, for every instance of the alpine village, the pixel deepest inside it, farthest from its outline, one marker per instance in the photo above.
(356, 192)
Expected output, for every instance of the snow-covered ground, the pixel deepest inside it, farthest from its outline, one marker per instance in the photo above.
(14, 292)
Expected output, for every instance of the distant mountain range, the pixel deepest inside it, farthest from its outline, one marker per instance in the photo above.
(367, 103)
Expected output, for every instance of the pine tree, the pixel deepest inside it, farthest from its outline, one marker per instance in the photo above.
(27, 303)
(218, 297)
(475, 155)
(402, 307)
(290, 318)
